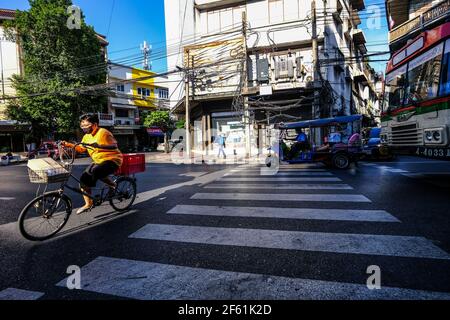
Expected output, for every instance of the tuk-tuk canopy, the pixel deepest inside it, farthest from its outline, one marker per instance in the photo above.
(321, 122)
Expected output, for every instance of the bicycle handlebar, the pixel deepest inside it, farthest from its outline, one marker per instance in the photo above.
(75, 145)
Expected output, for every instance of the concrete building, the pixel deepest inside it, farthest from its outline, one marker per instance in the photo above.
(268, 58)
(11, 133)
(129, 104)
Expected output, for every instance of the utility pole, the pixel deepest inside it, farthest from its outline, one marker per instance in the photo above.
(146, 50)
(316, 66)
(248, 144)
(188, 113)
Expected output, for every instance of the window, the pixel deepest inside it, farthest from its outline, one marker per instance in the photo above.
(276, 11)
(290, 10)
(163, 94)
(445, 80)
(120, 88)
(395, 88)
(143, 92)
(225, 19)
(121, 113)
(213, 21)
(423, 75)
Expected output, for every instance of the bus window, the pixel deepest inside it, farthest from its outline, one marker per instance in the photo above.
(423, 75)
(445, 79)
(395, 88)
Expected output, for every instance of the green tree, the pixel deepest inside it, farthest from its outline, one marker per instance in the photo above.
(163, 120)
(55, 59)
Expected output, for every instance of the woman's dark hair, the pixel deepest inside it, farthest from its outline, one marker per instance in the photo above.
(91, 117)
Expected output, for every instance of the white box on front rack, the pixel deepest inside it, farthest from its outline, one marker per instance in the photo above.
(46, 171)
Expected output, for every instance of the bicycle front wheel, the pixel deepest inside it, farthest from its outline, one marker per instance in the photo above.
(125, 194)
(45, 216)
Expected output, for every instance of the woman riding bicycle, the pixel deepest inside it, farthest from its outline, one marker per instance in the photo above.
(105, 155)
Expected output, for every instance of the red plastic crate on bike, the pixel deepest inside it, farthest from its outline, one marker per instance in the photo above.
(132, 163)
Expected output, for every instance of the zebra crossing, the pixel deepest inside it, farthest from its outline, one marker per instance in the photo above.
(138, 279)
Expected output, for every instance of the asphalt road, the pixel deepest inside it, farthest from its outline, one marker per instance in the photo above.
(228, 232)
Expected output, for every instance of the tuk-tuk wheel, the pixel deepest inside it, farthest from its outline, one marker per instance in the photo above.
(341, 161)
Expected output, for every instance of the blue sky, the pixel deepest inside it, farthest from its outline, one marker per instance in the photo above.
(133, 21)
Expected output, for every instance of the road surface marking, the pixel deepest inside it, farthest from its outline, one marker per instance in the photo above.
(153, 281)
(18, 294)
(281, 186)
(283, 174)
(280, 179)
(383, 245)
(282, 197)
(301, 165)
(6, 198)
(286, 213)
(280, 170)
(397, 170)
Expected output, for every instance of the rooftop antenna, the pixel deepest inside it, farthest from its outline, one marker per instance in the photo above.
(146, 50)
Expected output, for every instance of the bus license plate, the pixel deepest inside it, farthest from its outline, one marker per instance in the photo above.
(440, 153)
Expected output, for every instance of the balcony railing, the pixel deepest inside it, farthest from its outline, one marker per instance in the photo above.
(106, 119)
(436, 13)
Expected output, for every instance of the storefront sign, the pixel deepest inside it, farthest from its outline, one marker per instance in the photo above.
(436, 12)
(155, 132)
(404, 29)
(123, 132)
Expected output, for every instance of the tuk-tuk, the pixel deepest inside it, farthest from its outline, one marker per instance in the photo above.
(334, 141)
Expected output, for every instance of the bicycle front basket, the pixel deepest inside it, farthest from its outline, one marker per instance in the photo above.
(47, 171)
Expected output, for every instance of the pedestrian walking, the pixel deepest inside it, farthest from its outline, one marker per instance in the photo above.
(220, 140)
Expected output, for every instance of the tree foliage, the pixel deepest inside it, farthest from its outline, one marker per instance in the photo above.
(159, 119)
(55, 59)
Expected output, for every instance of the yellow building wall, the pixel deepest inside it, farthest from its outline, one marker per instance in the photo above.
(147, 84)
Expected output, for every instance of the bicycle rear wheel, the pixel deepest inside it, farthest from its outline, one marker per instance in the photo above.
(45, 216)
(125, 194)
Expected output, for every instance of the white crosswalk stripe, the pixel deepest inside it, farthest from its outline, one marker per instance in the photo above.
(281, 197)
(280, 170)
(148, 280)
(281, 186)
(281, 179)
(19, 294)
(385, 245)
(286, 213)
(152, 281)
(282, 174)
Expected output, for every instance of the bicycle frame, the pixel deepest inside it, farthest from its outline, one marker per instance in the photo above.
(98, 199)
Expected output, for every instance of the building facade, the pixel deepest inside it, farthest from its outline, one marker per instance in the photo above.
(13, 134)
(251, 64)
(136, 93)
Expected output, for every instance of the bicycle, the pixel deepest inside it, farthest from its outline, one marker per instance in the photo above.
(53, 209)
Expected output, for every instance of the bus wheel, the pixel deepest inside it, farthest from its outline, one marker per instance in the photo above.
(341, 161)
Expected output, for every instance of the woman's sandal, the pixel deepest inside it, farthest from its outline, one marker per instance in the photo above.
(85, 209)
